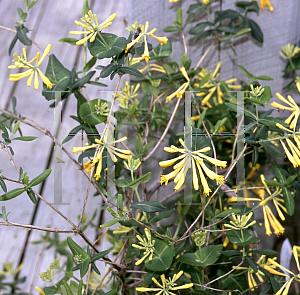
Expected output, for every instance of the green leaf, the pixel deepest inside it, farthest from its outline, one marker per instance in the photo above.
(40, 178)
(2, 184)
(263, 252)
(161, 51)
(67, 288)
(290, 180)
(58, 75)
(241, 32)
(203, 257)
(22, 35)
(25, 138)
(226, 212)
(108, 70)
(90, 64)
(225, 14)
(3, 128)
(271, 147)
(289, 201)
(84, 267)
(31, 196)
(99, 255)
(89, 111)
(80, 82)
(122, 182)
(162, 257)
(112, 292)
(76, 249)
(278, 171)
(264, 98)
(237, 108)
(170, 29)
(110, 223)
(161, 216)
(143, 179)
(12, 194)
(272, 182)
(196, 7)
(111, 46)
(179, 16)
(199, 28)
(256, 32)
(16, 127)
(272, 121)
(148, 206)
(130, 71)
(264, 78)
(241, 238)
(12, 44)
(71, 41)
(251, 263)
(72, 133)
(245, 72)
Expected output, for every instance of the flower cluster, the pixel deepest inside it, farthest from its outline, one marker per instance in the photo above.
(240, 222)
(167, 285)
(179, 92)
(213, 86)
(142, 37)
(21, 62)
(91, 26)
(286, 286)
(127, 94)
(269, 217)
(147, 245)
(192, 160)
(101, 146)
(292, 106)
(259, 274)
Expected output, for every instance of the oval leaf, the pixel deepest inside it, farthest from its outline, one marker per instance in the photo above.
(162, 257)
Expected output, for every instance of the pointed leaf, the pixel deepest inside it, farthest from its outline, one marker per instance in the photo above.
(148, 206)
(40, 178)
(12, 194)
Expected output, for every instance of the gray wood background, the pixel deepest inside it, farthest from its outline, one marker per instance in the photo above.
(52, 20)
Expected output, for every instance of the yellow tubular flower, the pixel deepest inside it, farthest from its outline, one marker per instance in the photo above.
(91, 26)
(41, 291)
(293, 118)
(285, 287)
(267, 3)
(213, 86)
(21, 62)
(188, 160)
(269, 219)
(205, 2)
(289, 50)
(179, 92)
(110, 147)
(167, 285)
(162, 40)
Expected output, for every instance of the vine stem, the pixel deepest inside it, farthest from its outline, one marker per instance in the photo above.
(97, 149)
(47, 229)
(206, 53)
(166, 130)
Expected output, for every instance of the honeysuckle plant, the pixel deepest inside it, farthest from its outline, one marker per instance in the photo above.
(160, 241)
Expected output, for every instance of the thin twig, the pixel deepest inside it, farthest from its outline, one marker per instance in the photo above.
(37, 263)
(28, 226)
(205, 53)
(166, 130)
